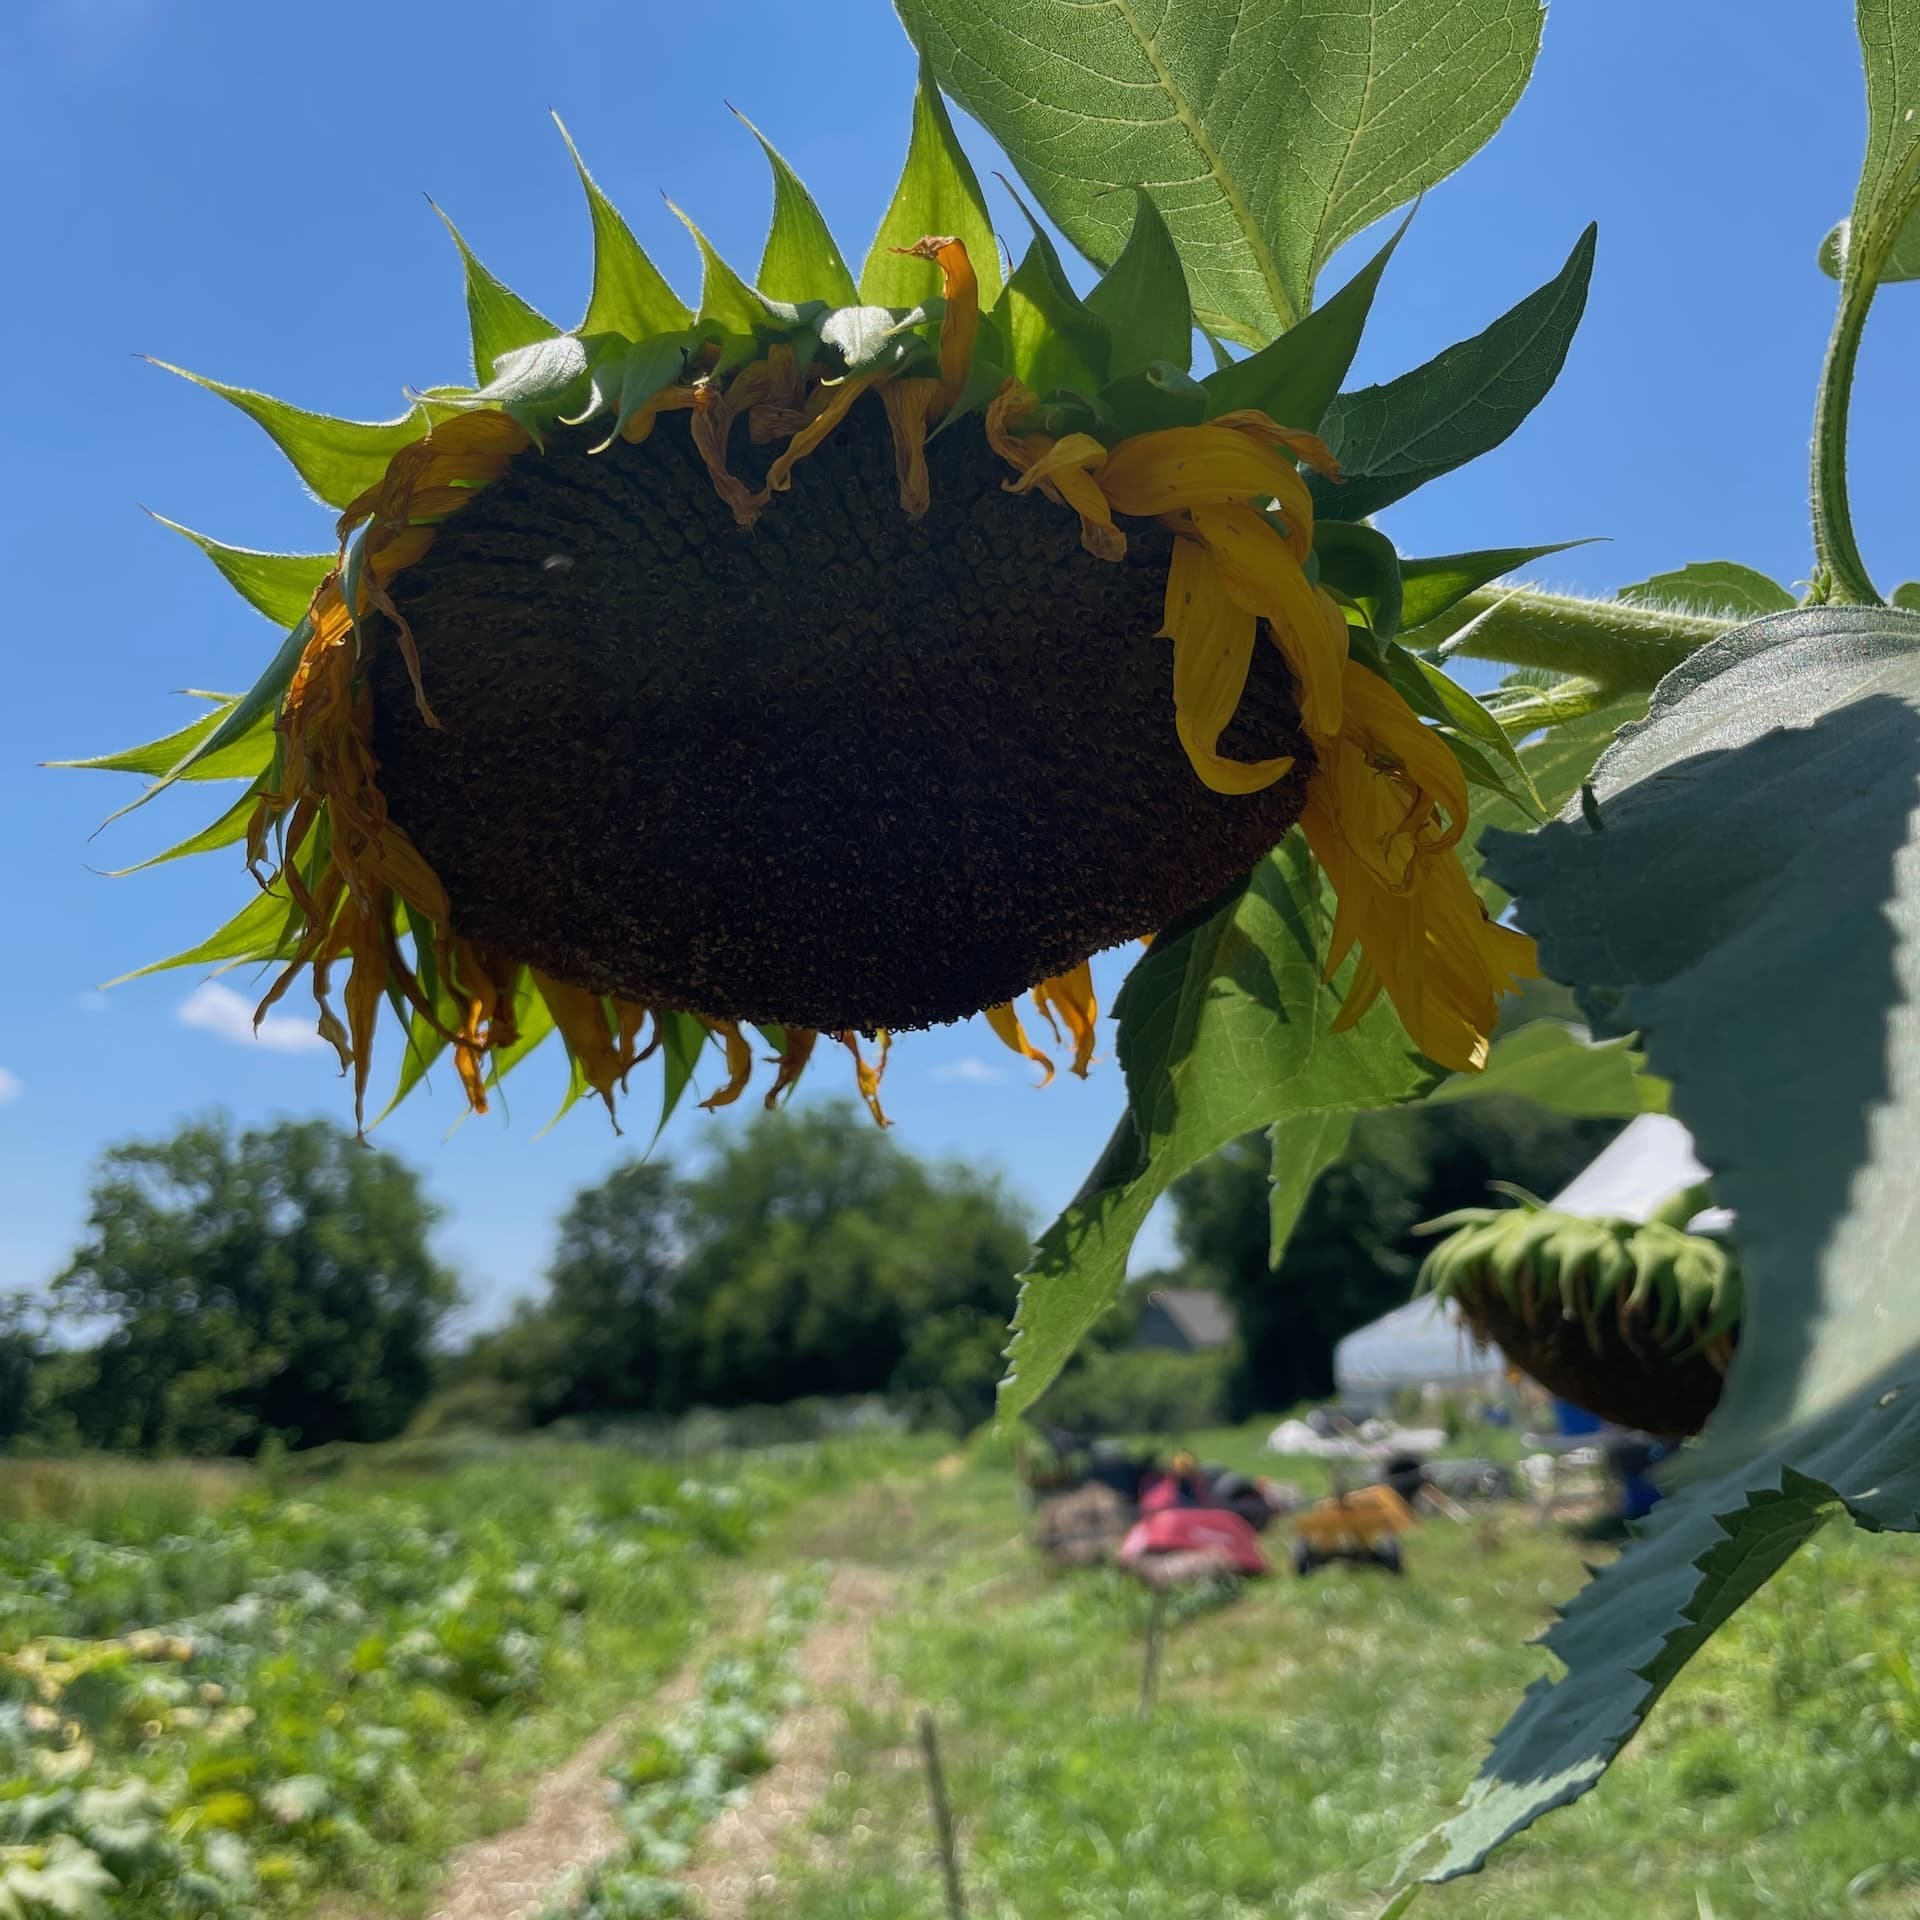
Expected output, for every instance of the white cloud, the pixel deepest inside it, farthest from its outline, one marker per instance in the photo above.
(218, 1009)
(971, 1069)
(11, 1086)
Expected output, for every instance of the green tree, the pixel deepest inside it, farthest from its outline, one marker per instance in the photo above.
(604, 1336)
(278, 1282)
(1353, 1254)
(823, 1258)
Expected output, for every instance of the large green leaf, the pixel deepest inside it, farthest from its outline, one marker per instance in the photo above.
(1881, 240)
(499, 321)
(1225, 1025)
(1746, 894)
(630, 295)
(801, 260)
(938, 193)
(1269, 134)
(1555, 1065)
(1294, 379)
(338, 459)
(1143, 297)
(1721, 587)
(280, 585)
(1393, 438)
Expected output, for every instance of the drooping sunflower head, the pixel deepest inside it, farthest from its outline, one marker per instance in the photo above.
(828, 659)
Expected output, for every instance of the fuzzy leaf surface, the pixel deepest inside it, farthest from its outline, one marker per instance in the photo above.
(1143, 297)
(1750, 903)
(1712, 586)
(1269, 134)
(1462, 403)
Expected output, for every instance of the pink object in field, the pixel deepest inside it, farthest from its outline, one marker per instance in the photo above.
(1223, 1536)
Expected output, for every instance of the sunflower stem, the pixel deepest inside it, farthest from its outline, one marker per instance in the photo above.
(1840, 568)
(1615, 643)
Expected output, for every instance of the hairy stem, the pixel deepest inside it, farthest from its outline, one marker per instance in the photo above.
(1845, 573)
(1614, 643)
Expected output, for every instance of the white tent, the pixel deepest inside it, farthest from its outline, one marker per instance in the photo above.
(1420, 1344)
(1650, 1160)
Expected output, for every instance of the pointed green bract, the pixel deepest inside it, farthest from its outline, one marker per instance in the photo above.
(630, 295)
(649, 366)
(727, 303)
(1143, 296)
(938, 193)
(1432, 586)
(801, 260)
(261, 930)
(166, 753)
(1295, 379)
(682, 1040)
(1054, 339)
(338, 459)
(229, 830)
(500, 321)
(280, 585)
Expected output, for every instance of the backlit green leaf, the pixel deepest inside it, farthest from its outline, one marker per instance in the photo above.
(1902, 261)
(280, 585)
(938, 194)
(498, 319)
(1393, 438)
(1295, 378)
(1359, 564)
(1054, 339)
(1749, 903)
(1268, 134)
(630, 296)
(162, 755)
(1303, 1145)
(1143, 297)
(338, 459)
(727, 303)
(1886, 208)
(1431, 586)
(1555, 1065)
(682, 1040)
(1224, 1026)
(227, 831)
(261, 930)
(1721, 587)
(801, 260)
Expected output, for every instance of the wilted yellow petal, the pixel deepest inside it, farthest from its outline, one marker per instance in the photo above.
(907, 403)
(1067, 999)
(739, 1062)
(1179, 467)
(1005, 1023)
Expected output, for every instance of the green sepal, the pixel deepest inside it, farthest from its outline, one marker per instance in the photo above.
(1462, 403)
(938, 193)
(728, 306)
(1439, 583)
(801, 260)
(498, 319)
(630, 294)
(1143, 299)
(338, 459)
(682, 1040)
(166, 753)
(1294, 380)
(647, 367)
(1359, 564)
(280, 585)
(1054, 339)
(985, 376)
(538, 384)
(262, 930)
(533, 1023)
(1906, 596)
(1153, 398)
(227, 831)
(247, 723)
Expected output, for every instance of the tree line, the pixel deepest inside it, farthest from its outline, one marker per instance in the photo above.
(279, 1285)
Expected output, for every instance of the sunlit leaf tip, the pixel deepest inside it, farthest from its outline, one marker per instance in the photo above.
(499, 319)
(630, 295)
(801, 260)
(279, 585)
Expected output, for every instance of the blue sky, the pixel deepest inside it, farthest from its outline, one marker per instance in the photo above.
(238, 188)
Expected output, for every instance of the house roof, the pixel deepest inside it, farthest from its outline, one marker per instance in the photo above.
(1203, 1315)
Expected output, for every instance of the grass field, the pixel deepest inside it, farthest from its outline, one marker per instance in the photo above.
(458, 1631)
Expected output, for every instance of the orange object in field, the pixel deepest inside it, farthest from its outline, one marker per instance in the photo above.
(1353, 1523)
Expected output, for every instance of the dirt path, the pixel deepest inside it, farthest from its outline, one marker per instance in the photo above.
(735, 1862)
(569, 1826)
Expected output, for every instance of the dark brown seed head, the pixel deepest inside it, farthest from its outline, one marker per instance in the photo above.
(844, 770)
